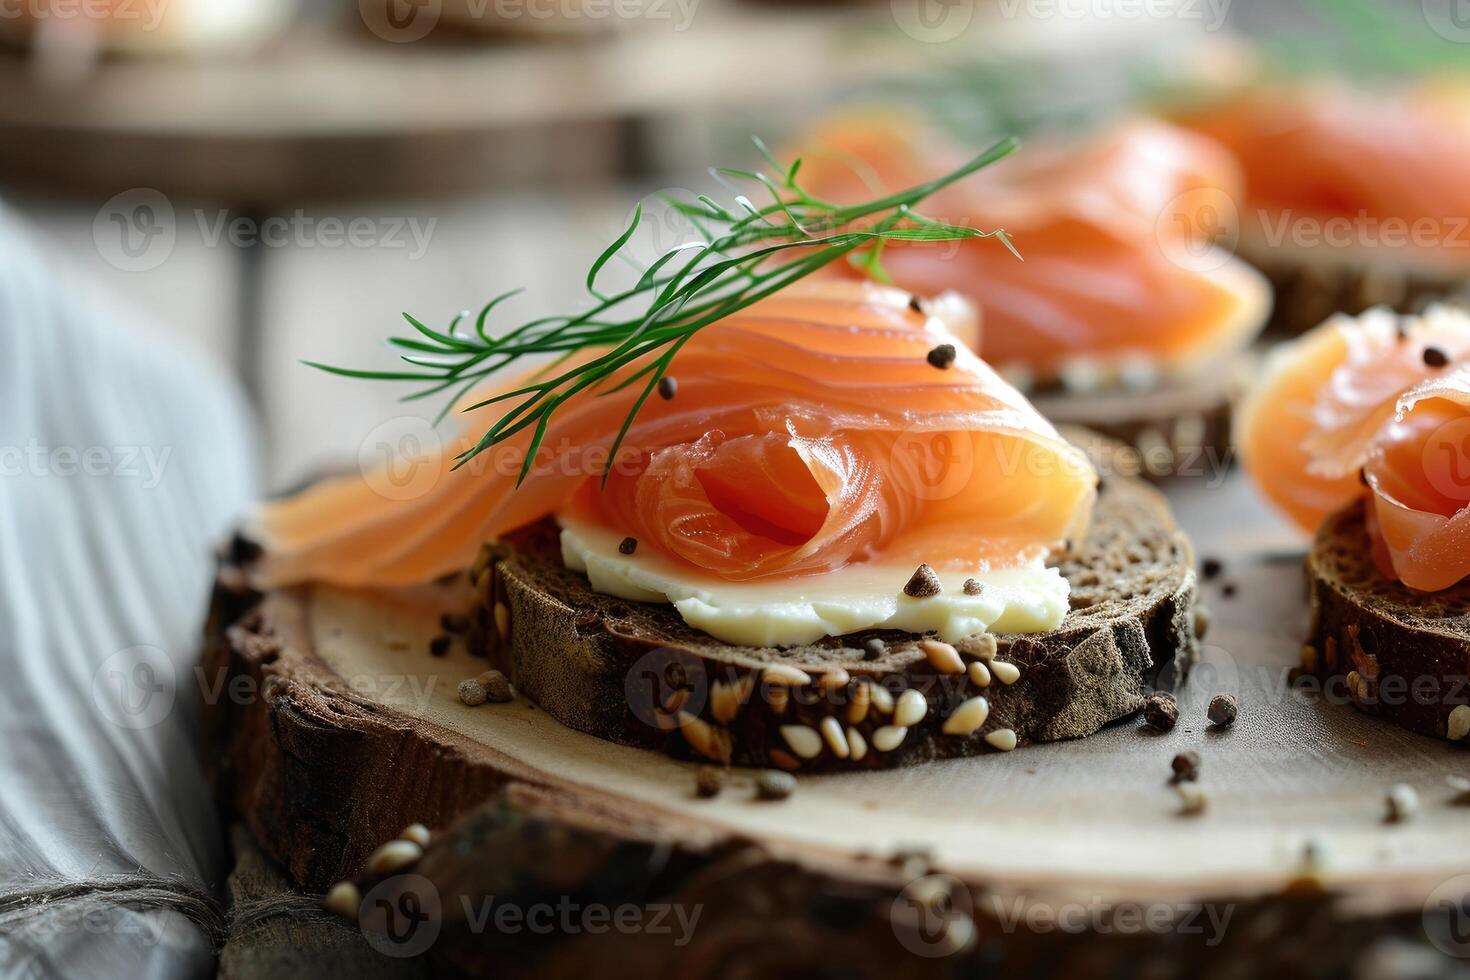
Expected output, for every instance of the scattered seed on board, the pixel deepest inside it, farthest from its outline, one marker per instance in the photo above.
(668, 387)
(916, 304)
(1457, 725)
(942, 356)
(1186, 767)
(874, 648)
(627, 546)
(923, 584)
(1228, 590)
(708, 781)
(417, 833)
(1193, 798)
(1402, 801)
(1211, 568)
(454, 623)
(1161, 710)
(393, 855)
(439, 646)
(1201, 622)
(774, 785)
(472, 692)
(343, 899)
(1435, 358)
(1223, 710)
(497, 686)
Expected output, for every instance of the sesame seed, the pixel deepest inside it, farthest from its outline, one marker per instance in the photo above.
(627, 546)
(889, 737)
(942, 656)
(942, 356)
(343, 899)
(668, 387)
(1435, 358)
(1002, 739)
(1008, 673)
(393, 855)
(910, 709)
(804, 741)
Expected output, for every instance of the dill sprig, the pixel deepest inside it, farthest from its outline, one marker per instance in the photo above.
(739, 260)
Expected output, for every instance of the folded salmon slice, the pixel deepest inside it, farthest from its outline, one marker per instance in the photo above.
(1378, 405)
(1116, 232)
(808, 432)
(1377, 171)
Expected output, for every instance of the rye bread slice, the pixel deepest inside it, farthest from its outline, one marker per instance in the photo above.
(1312, 284)
(1391, 651)
(635, 673)
(1172, 428)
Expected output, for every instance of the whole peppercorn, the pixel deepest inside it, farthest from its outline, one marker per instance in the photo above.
(1223, 710)
(1186, 767)
(709, 780)
(1161, 710)
(775, 785)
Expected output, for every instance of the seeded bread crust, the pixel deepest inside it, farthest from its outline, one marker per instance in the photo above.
(1312, 285)
(1395, 653)
(616, 669)
(1174, 429)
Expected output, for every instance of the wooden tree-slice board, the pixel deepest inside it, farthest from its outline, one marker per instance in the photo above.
(1089, 818)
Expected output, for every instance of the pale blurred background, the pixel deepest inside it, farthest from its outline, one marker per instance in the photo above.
(275, 181)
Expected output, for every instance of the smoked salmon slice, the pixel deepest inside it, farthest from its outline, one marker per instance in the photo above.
(1117, 232)
(808, 431)
(1377, 406)
(1325, 165)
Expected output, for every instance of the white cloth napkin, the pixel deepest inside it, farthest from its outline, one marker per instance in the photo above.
(121, 463)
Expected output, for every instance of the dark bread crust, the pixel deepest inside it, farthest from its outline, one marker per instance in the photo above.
(1175, 429)
(1395, 653)
(1308, 291)
(613, 668)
